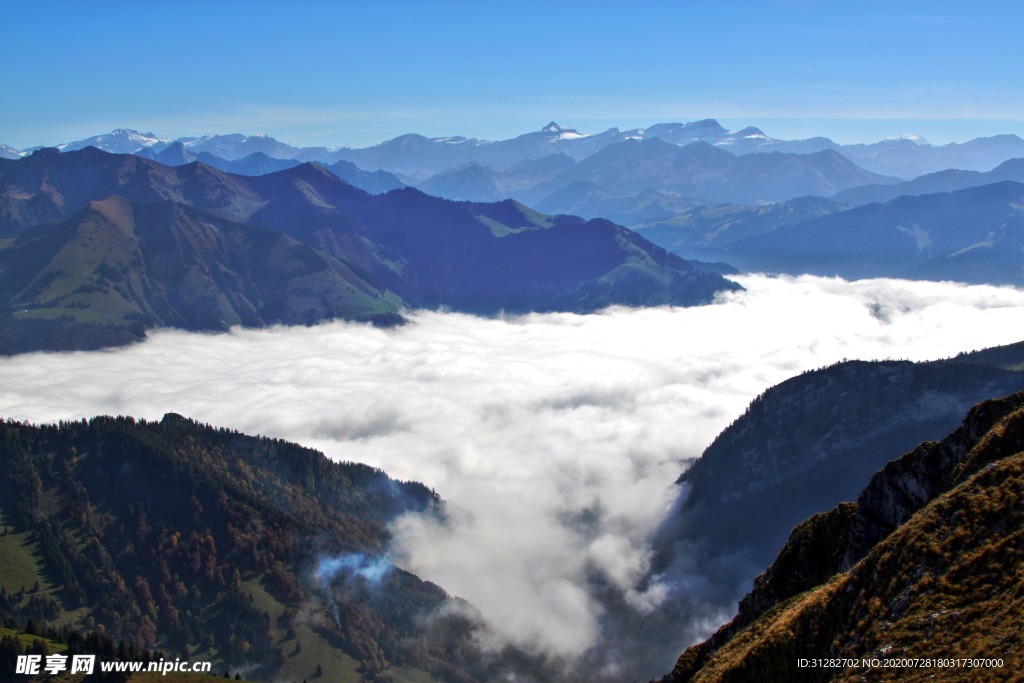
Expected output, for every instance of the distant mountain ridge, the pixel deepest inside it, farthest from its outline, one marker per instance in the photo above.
(709, 174)
(705, 229)
(932, 183)
(970, 235)
(905, 157)
(258, 163)
(296, 246)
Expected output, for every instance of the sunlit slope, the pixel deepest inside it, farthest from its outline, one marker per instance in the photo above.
(927, 564)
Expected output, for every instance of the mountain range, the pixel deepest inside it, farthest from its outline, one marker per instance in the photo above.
(709, 174)
(972, 235)
(967, 235)
(932, 183)
(107, 245)
(264, 556)
(642, 178)
(815, 439)
(415, 155)
(258, 163)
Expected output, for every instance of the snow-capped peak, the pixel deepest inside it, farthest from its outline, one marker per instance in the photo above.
(118, 141)
(916, 139)
(8, 152)
(561, 133)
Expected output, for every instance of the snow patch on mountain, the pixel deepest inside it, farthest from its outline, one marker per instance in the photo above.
(916, 139)
(8, 152)
(118, 141)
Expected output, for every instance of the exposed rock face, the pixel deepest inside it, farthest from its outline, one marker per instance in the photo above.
(931, 528)
(809, 558)
(906, 485)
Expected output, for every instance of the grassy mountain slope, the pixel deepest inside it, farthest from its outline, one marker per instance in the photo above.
(926, 564)
(119, 265)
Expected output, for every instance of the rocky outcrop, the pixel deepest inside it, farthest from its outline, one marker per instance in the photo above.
(934, 527)
(907, 484)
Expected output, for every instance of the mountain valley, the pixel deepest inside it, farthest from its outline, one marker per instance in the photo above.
(110, 238)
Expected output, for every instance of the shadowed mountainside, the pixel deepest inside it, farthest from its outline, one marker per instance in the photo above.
(77, 264)
(801, 448)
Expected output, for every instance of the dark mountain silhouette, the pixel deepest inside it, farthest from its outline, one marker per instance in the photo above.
(48, 187)
(167, 264)
(815, 439)
(365, 256)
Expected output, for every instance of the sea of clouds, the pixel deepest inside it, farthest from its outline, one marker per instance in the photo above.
(555, 438)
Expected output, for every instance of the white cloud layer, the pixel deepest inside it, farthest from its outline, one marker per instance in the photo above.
(555, 438)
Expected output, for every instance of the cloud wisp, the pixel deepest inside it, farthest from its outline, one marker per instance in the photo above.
(554, 438)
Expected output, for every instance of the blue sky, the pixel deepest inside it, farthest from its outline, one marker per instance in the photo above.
(357, 73)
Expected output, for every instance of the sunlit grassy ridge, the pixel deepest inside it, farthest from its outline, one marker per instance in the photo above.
(948, 583)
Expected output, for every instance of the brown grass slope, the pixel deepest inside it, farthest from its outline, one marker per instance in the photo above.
(928, 564)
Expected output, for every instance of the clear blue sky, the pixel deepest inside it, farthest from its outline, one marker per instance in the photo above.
(357, 73)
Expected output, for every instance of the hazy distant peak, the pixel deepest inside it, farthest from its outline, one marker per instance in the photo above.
(750, 132)
(916, 139)
(8, 152)
(559, 133)
(118, 141)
